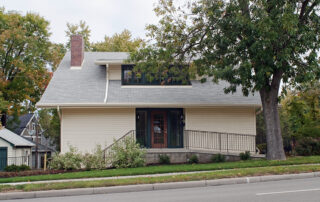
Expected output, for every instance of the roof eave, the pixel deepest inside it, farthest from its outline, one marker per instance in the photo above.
(132, 105)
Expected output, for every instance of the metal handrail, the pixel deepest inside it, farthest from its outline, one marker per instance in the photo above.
(108, 148)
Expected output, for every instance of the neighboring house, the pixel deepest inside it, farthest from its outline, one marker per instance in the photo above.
(26, 127)
(99, 99)
(14, 149)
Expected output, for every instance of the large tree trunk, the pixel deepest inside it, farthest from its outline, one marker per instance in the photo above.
(269, 99)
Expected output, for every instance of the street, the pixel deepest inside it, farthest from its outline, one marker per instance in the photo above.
(306, 190)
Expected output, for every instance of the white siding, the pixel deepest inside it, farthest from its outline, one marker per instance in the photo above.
(229, 119)
(85, 128)
(115, 72)
(10, 151)
(17, 156)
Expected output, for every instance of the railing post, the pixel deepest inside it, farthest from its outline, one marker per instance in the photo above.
(220, 142)
(228, 142)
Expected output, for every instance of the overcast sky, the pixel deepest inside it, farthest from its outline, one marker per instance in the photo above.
(104, 17)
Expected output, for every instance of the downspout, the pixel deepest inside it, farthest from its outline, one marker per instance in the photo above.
(59, 113)
(107, 83)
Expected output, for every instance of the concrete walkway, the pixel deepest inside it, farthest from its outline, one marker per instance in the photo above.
(126, 177)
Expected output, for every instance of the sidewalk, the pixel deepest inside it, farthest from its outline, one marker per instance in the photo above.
(156, 186)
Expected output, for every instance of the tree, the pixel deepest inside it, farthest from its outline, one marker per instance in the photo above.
(56, 53)
(302, 110)
(83, 29)
(50, 124)
(24, 42)
(122, 42)
(254, 45)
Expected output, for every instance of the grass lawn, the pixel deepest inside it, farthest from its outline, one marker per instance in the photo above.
(165, 169)
(176, 178)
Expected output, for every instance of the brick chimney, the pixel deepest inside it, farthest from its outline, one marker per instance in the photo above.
(77, 50)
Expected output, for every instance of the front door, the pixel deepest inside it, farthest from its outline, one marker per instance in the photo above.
(3, 157)
(159, 129)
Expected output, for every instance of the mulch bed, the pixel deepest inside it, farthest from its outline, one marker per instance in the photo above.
(34, 172)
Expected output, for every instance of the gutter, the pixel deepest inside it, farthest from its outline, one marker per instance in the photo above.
(133, 105)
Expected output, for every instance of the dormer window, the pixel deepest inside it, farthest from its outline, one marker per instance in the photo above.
(128, 77)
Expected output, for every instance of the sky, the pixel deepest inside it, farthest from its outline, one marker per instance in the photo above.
(104, 17)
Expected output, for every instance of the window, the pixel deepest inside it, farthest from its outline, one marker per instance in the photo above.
(131, 78)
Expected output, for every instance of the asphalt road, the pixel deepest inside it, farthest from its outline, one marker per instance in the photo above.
(302, 190)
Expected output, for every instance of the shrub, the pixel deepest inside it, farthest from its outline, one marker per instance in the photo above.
(308, 146)
(217, 158)
(15, 168)
(245, 156)
(95, 160)
(193, 159)
(164, 159)
(127, 154)
(69, 161)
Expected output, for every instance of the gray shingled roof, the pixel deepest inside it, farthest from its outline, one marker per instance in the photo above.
(14, 139)
(88, 86)
(200, 93)
(21, 124)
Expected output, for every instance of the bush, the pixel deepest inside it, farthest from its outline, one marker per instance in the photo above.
(218, 158)
(127, 154)
(164, 159)
(245, 156)
(308, 146)
(193, 159)
(71, 160)
(95, 160)
(15, 168)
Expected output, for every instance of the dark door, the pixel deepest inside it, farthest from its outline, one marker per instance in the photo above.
(159, 129)
(3, 157)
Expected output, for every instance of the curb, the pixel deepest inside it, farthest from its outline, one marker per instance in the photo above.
(156, 186)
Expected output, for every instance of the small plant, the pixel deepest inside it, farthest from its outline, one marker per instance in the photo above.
(15, 168)
(245, 156)
(193, 159)
(218, 158)
(127, 154)
(95, 160)
(69, 161)
(164, 159)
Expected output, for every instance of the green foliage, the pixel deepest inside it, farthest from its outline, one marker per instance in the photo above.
(122, 42)
(15, 168)
(308, 146)
(94, 160)
(164, 159)
(253, 45)
(218, 158)
(245, 155)
(82, 29)
(127, 154)
(56, 53)
(71, 160)
(193, 159)
(24, 51)
(50, 124)
(300, 115)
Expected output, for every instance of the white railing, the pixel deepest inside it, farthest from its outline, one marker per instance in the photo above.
(217, 141)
